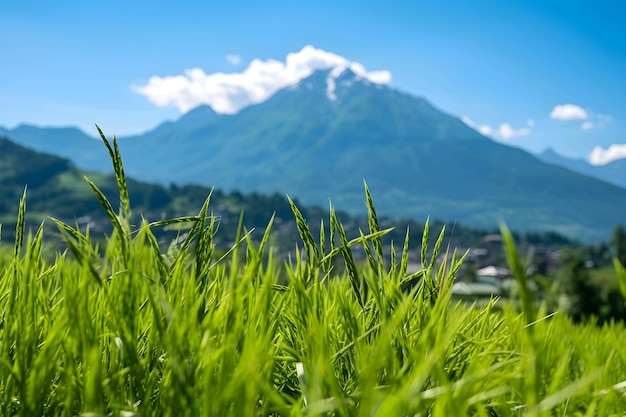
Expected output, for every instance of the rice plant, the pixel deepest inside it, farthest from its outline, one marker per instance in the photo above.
(131, 329)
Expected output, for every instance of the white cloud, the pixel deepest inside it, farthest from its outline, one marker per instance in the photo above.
(586, 125)
(483, 129)
(600, 156)
(568, 112)
(229, 93)
(233, 59)
(531, 122)
(467, 121)
(506, 131)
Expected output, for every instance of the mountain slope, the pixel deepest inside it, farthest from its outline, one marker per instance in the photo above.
(67, 142)
(417, 160)
(320, 139)
(613, 172)
(55, 187)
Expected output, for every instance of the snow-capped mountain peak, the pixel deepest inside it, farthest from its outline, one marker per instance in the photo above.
(348, 75)
(228, 93)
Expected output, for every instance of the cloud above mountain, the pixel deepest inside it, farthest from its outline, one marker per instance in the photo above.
(601, 156)
(228, 93)
(504, 131)
(568, 112)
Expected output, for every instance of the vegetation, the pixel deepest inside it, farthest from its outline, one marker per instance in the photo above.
(619, 243)
(57, 188)
(127, 329)
(586, 284)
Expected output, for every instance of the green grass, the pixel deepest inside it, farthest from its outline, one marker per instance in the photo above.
(605, 276)
(131, 329)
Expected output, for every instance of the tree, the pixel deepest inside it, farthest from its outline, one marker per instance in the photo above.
(584, 297)
(619, 243)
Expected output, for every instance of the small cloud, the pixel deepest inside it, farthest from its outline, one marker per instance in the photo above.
(467, 121)
(568, 112)
(531, 122)
(586, 125)
(229, 93)
(233, 59)
(506, 131)
(485, 130)
(600, 156)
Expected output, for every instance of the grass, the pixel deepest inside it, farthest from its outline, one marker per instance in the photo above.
(131, 329)
(605, 276)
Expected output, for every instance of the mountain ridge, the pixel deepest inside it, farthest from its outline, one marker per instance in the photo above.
(614, 172)
(417, 160)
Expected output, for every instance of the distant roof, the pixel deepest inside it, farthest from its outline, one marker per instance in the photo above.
(492, 238)
(474, 288)
(494, 271)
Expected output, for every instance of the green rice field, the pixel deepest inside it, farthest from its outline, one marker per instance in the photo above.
(133, 327)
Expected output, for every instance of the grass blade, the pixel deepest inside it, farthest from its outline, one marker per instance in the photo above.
(118, 168)
(312, 252)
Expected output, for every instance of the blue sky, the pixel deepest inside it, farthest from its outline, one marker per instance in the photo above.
(529, 73)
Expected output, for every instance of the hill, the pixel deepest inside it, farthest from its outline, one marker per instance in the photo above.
(317, 143)
(613, 172)
(55, 187)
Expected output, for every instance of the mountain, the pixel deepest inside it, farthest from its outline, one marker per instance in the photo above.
(55, 187)
(321, 138)
(67, 142)
(54, 184)
(613, 172)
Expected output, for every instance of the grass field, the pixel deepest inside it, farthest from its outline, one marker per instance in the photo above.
(129, 328)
